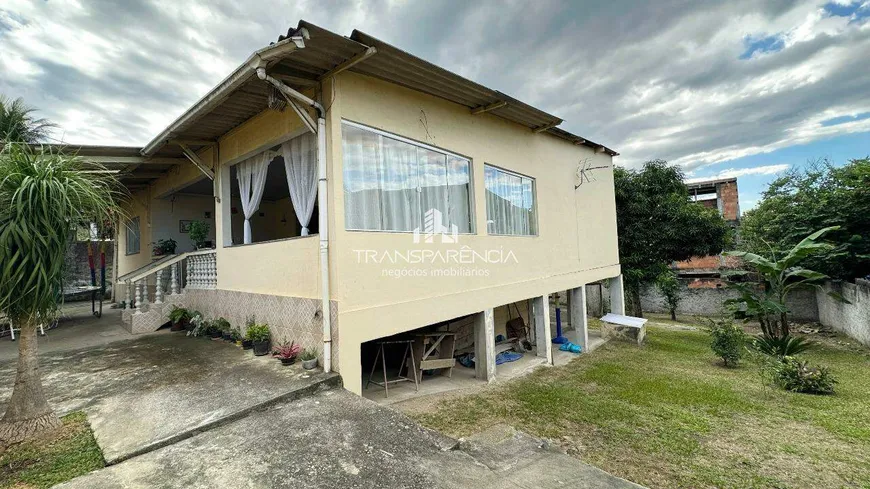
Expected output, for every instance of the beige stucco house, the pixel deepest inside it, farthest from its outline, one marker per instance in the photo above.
(343, 174)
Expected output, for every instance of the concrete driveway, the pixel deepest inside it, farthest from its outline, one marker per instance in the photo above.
(336, 439)
(147, 392)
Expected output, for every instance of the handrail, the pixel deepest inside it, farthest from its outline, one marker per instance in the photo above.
(151, 266)
(167, 264)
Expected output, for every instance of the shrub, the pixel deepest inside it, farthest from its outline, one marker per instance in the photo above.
(728, 341)
(198, 233)
(308, 354)
(796, 376)
(258, 332)
(222, 324)
(200, 325)
(786, 346)
(178, 314)
(669, 287)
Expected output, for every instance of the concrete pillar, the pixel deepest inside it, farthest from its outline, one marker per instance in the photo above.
(577, 306)
(617, 295)
(543, 337)
(484, 345)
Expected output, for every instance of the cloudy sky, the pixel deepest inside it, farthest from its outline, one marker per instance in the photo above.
(740, 88)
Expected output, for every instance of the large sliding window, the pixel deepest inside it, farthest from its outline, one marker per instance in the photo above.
(390, 183)
(511, 206)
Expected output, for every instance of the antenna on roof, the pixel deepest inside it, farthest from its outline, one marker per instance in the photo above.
(584, 172)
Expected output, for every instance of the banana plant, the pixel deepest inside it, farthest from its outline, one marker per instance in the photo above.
(765, 299)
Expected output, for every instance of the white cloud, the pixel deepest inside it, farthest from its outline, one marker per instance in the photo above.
(742, 172)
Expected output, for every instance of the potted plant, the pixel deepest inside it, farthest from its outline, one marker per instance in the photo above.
(287, 353)
(260, 337)
(198, 232)
(197, 326)
(225, 328)
(180, 318)
(309, 358)
(214, 330)
(247, 344)
(164, 247)
(235, 336)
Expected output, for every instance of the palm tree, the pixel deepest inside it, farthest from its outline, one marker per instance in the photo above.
(17, 124)
(43, 197)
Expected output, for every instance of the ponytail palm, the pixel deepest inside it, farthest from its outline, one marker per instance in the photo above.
(43, 198)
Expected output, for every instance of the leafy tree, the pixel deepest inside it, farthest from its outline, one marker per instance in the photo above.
(17, 124)
(803, 201)
(765, 300)
(43, 197)
(658, 224)
(669, 287)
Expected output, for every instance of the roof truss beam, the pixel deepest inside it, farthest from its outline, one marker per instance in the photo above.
(546, 126)
(197, 162)
(486, 108)
(369, 52)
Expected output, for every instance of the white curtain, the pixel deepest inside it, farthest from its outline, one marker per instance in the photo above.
(300, 165)
(252, 180)
(390, 185)
(510, 201)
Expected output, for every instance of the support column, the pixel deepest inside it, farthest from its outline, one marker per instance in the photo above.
(484, 345)
(577, 306)
(617, 296)
(543, 336)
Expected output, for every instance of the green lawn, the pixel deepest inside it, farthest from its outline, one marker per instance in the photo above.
(57, 458)
(668, 415)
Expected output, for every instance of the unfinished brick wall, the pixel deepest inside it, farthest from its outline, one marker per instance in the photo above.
(730, 204)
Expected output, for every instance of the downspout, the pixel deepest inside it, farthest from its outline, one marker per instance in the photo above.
(323, 206)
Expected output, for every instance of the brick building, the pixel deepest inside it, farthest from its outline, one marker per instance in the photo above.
(718, 194)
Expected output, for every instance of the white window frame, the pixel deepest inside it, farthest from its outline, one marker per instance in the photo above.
(534, 201)
(413, 142)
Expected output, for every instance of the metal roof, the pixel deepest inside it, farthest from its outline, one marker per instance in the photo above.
(242, 95)
(133, 169)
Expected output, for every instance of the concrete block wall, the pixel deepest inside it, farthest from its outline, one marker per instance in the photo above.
(705, 299)
(851, 319)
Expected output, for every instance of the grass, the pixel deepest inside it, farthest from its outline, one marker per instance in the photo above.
(59, 457)
(669, 415)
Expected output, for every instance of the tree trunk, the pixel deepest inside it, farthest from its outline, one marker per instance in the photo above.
(28, 414)
(673, 314)
(783, 319)
(636, 309)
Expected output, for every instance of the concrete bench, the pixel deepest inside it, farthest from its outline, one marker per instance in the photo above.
(623, 327)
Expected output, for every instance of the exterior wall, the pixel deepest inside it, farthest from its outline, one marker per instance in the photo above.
(577, 229)
(289, 318)
(729, 201)
(852, 319)
(167, 212)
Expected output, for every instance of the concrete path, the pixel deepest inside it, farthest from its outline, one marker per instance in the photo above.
(144, 393)
(335, 439)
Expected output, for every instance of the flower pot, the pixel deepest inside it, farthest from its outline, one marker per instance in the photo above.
(228, 336)
(180, 325)
(309, 364)
(215, 334)
(261, 348)
(287, 361)
(247, 344)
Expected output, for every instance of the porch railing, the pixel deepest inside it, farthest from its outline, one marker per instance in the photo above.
(169, 276)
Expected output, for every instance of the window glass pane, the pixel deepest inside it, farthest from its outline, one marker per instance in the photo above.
(390, 184)
(362, 160)
(510, 202)
(459, 193)
(133, 236)
(433, 185)
(399, 197)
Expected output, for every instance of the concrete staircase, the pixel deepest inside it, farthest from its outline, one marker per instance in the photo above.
(149, 317)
